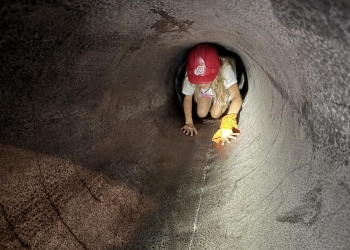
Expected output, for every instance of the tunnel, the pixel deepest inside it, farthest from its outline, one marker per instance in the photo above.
(91, 151)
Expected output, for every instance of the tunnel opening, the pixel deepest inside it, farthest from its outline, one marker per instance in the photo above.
(223, 51)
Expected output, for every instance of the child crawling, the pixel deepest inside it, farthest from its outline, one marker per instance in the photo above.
(213, 83)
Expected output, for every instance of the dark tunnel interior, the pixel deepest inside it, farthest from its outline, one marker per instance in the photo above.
(91, 151)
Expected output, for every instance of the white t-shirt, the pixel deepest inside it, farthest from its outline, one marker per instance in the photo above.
(230, 79)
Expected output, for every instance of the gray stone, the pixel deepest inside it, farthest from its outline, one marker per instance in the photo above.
(91, 152)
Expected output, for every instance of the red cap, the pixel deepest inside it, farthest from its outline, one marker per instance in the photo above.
(203, 64)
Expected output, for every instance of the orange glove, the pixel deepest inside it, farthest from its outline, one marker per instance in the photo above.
(227, 122)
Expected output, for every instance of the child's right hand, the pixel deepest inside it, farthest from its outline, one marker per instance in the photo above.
(189, 129)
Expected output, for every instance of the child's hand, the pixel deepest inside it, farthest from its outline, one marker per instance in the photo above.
(227, 135)
(189, 129)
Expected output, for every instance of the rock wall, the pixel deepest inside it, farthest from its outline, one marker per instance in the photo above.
(91, 152)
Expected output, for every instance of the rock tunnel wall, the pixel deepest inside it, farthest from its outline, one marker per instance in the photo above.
(92, 156)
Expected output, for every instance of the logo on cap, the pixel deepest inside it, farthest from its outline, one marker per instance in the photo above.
(199, 70)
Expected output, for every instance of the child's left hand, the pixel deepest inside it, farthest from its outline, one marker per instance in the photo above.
(227, 135)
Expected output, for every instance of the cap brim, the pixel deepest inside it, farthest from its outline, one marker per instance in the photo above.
(202, 79)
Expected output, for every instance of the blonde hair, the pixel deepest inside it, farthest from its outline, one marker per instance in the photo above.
(218, 84)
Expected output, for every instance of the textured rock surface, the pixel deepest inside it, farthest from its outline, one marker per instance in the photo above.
(92, 156)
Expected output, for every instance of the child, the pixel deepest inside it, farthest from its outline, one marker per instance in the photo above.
(212, 82)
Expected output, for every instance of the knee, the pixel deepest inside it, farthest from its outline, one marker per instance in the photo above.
(215, 115)
(202, 113)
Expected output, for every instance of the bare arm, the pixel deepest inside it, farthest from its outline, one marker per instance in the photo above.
(225, 134)
(189, 128)
(188, 109)
(236, 99)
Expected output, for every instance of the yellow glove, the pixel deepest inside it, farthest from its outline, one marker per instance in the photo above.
(228, 122)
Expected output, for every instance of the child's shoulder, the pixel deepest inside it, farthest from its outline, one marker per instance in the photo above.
(227, 61)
